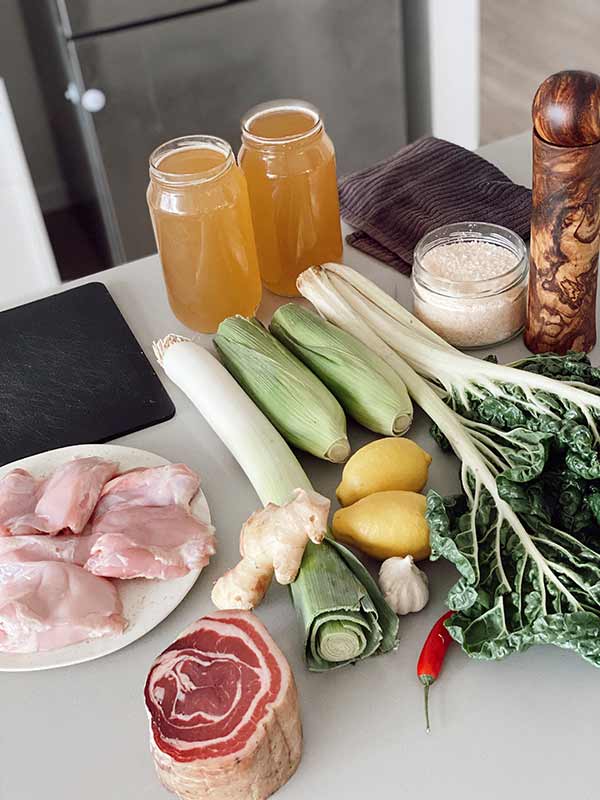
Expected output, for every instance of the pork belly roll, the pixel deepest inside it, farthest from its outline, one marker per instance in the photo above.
(223, 709)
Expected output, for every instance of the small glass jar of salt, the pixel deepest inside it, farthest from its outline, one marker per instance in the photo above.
(469, 283)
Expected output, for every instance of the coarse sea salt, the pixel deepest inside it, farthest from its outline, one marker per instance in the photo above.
(468, 261)
(473, 293)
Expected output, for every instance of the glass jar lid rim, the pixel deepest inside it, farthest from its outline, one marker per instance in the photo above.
(191, 142)
(274, 107)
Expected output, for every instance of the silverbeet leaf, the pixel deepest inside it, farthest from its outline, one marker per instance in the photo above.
(572, 367)
(504, 603)
(540, 584)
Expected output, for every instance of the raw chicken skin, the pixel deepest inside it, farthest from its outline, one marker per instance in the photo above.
(173, 484)
(47, 604)
(19, 493)
(149, 542)
(68, 497)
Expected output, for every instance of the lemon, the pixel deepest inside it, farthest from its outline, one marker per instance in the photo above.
(383, 465)
(385, 524)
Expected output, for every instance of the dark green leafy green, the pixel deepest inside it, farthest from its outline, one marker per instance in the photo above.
(534, 578)
(504, 601)
(572, 367)
(568, 429)
(593, 503)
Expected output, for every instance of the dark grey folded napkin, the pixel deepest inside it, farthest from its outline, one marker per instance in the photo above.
(429, 183)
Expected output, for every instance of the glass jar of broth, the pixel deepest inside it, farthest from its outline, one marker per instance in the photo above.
(289, 163)
(198, 201)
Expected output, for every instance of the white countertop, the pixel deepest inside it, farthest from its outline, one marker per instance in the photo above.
(525, 726)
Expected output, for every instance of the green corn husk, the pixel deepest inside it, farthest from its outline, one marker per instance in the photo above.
(301, 408)
(368, 389)
(341, 608)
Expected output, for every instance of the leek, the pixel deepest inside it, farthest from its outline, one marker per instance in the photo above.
(368, 388)
(343, 613)
(302, 409)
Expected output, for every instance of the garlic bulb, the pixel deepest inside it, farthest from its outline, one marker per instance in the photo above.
(404, 585)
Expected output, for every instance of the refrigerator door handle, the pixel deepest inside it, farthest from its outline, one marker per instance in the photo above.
(72, 93)
(92, 100)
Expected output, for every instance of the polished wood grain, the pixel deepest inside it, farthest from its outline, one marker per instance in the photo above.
(566, 108)
(565, 236)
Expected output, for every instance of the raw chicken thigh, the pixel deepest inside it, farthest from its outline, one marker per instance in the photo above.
(19, 492)
(40, 547)
(53, 588)
(65, 501)
(149, 542)
(69, 497)
(173, 484)
(46, 605)
(145, 531)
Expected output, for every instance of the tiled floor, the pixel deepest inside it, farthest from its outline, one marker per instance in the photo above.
(524, 41)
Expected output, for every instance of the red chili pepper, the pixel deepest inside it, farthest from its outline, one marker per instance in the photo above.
(432, 657)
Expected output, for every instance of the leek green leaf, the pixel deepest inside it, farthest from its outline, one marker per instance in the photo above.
(342, 611)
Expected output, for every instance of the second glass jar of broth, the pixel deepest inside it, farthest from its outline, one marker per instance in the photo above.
(200, 212)
(289, 163)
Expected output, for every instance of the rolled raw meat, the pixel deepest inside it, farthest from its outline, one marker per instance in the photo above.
(223, 709)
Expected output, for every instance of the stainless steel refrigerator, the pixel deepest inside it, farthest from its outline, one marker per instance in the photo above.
(122, 76)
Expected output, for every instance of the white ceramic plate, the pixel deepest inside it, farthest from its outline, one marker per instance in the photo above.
(145, 603)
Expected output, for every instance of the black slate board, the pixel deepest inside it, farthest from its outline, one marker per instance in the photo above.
(72, 372)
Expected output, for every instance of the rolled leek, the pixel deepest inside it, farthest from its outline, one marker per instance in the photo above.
(301, 408)
(368, 389)
(342, 610)
(343, 613)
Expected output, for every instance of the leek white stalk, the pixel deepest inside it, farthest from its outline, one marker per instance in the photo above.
(368, 388)
(258, 448)
(300, 406)
(342, 610)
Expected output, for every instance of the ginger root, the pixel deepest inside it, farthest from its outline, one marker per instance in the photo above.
(272, 541)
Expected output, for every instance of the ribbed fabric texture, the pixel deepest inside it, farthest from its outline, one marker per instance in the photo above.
(427, 184)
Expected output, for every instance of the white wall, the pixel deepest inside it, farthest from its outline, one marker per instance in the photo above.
(442, 66)
(22, 232)
(417, 67)
(454, 49)
(18, 70)
(520, 47)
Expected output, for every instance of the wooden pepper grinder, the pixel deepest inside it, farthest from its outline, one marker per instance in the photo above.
(565, 221)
